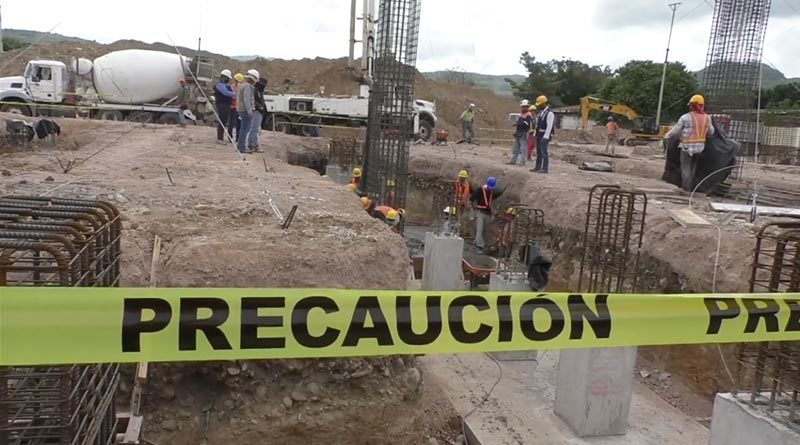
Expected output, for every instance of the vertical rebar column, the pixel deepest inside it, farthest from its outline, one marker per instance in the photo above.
(391, 103)
(733, 63)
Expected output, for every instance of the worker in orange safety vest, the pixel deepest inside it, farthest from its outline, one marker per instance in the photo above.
(693, 128)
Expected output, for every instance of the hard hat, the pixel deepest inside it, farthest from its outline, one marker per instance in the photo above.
(253, 74)
(226, 73)
(462, 174)
(239, 77)
(450, 210)
(697, 99)
(365, 202)
(512, 211)
(391, 215)
(351, 187)
(524, 103)
(472, 105)
(541, 100)
(390, 182)
(356, 172)
(491, 183)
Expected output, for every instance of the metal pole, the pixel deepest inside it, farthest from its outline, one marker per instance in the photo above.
(1, 33)
(351, 58)
(758, 111)
(673, 6)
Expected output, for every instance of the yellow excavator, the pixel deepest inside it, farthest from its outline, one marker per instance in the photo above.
(644, 131)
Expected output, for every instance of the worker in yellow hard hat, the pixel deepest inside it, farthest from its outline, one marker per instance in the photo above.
(356, 179)
(463, 190)
(389, 215)
(352, 187)
(693, 128)
(368, 204)
(545, 129)
(234, 121)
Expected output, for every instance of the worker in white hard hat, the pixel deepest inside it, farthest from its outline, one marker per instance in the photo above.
(468, 124)
(545, 130)
(245, 106)
(693, 128)
(223, 97)
(259, 112)
(521, 128)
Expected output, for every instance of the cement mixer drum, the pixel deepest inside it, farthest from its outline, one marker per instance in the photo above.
(137, 76)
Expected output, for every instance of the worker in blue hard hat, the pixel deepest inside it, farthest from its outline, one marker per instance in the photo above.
(481, 201)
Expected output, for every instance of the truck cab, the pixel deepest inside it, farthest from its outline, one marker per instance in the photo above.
(46, 80)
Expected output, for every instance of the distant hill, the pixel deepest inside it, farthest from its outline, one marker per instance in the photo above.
(494, 83)
(772, 77)
(250, 58)
(28, 37)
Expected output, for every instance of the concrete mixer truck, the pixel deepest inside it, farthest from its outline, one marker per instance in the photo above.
(136, 85)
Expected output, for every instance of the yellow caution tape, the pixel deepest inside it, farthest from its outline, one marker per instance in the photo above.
(74, 325)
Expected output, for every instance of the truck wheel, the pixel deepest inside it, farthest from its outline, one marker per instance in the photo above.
(305, 128)
(16, 109)
(110, 115)
(282, 124)
(168, 119)
(144, 117)
(425, 130)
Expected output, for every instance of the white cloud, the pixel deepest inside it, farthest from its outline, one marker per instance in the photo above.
(475, 35)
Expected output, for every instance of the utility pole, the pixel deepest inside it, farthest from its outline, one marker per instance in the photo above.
(673, 6)
(1, 33)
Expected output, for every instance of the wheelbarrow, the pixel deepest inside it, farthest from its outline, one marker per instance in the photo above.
(478, 268)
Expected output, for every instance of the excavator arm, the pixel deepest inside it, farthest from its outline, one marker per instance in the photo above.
(589, 103)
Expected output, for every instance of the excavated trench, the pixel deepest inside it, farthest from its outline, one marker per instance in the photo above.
(698, 369)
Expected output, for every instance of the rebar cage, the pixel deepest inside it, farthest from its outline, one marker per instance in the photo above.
(343, 152)
(390, 126)
(519, 227)
(612, 239)
(58, 242)
(768, 374)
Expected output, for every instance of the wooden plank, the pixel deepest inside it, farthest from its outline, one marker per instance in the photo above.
(687, 218)
(657, 191)
(764, 211)
(133, 432)
(154, 260)
(141, 372)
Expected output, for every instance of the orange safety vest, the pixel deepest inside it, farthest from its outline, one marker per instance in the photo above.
(699, 129)
(487, 199)
(462, 193)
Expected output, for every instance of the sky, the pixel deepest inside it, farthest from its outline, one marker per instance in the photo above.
(472, 35)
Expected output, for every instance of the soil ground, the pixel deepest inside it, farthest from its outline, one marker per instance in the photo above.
(218, 230)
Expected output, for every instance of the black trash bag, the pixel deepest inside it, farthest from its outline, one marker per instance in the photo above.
(46, 127)
(718, 157)
(538, 266)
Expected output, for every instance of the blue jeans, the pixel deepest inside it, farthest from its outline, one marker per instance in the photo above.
(542, 157)
(255, 128)
(244, 128)
(520, 148)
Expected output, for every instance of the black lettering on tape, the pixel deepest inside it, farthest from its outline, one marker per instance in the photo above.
(455, 315)
(433, 307)
(133, 325)
(600, 322)
(716, 313)
(528, 325)
(506, 330)
(300, 322)
(769, 313)
(189, 323)
(251, 321)
(358, 330)
(793, 323)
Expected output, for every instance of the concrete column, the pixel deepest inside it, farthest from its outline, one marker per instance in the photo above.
(441, 269)
(593, 393)
(737, 423)
(509, 281)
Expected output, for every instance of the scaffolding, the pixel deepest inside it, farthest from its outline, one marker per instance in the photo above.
(390, 126)
(768, 376)
(58, 242)
(733, 63)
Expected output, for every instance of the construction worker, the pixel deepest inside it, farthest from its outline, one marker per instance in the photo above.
(521, 128)
(545, 130)
(245, 106)
(223, 96)
(389, 215)
(693, 128)
(356, 179)
(258, 115)
(462, 190)
(467, 120)
(233, 120)
(481, 200)
(612, 131)
(183, 102)
(368, 204)
(532, 134)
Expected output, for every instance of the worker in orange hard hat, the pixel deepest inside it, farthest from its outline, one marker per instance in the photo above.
(693, 128)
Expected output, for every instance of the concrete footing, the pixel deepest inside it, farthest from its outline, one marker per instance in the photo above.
(593, 393)
(736, 423)
(441, 269)
(337, 174)
(509, 281)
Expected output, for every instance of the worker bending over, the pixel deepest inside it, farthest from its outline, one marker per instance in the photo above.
(693, 128)
(545, 122)
(390, 216)
(368, 204)
(481, 200)
(521, 128)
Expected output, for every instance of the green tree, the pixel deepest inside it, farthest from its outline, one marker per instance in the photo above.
(10, 44)
(781, 97)
(636, 84)
(562, 81)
